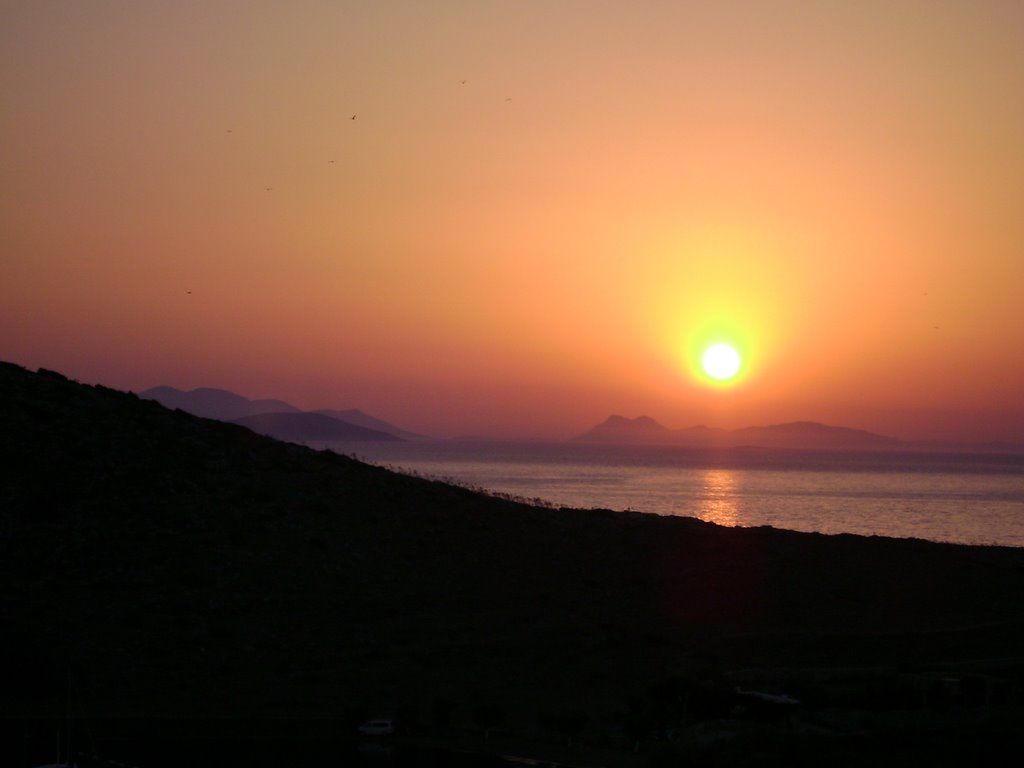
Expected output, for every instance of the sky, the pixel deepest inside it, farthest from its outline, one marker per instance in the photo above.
(517, 218)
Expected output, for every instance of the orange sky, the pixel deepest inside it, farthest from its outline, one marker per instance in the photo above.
(836, 186)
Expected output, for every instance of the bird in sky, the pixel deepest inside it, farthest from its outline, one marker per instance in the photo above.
(353, 117)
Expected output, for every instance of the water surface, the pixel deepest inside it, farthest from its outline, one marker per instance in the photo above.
(965, 498)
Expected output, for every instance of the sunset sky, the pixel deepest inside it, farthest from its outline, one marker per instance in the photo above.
(540, 215)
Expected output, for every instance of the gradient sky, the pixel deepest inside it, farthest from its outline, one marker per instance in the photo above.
(539, 212)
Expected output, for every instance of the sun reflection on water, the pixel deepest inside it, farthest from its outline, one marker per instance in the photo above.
(718, 498)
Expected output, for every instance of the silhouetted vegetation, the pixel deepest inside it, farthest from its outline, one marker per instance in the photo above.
(161, 565)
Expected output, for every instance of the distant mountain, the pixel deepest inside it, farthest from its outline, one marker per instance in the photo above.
(215, 403)
(223, 405)
(619, 429)
(794, 435)
(360, 419)
(812, 435)
(309, 426)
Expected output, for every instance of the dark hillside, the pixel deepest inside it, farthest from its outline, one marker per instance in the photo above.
(173, 565)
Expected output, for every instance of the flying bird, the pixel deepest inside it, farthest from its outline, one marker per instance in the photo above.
(353, 117)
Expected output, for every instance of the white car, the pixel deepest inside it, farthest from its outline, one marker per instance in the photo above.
(377, 728)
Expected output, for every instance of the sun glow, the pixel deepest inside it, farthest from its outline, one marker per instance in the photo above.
(720, 353)
(721, 362)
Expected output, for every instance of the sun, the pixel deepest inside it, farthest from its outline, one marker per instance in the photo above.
(721, 362)
(720, 353)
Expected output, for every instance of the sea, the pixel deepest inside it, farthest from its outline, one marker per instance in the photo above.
(962, 498)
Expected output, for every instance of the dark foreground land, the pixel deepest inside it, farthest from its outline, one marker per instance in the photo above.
(175, 590)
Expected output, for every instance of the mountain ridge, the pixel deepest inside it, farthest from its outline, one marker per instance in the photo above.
(225, 405)
(298, 427)
(360, 418)
(214, 403)
(793, 435)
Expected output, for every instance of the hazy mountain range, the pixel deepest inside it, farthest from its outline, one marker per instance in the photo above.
(277, 418)
(284, 421)
(800, 434)
(797, 435)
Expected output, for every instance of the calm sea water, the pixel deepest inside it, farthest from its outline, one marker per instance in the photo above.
(956, 498)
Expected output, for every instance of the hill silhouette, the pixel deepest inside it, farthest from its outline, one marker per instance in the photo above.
(799, 435)
(361, 419)
(224, 405)
(309, 426)
(215, 403)
(796, 435)
(174, 566)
